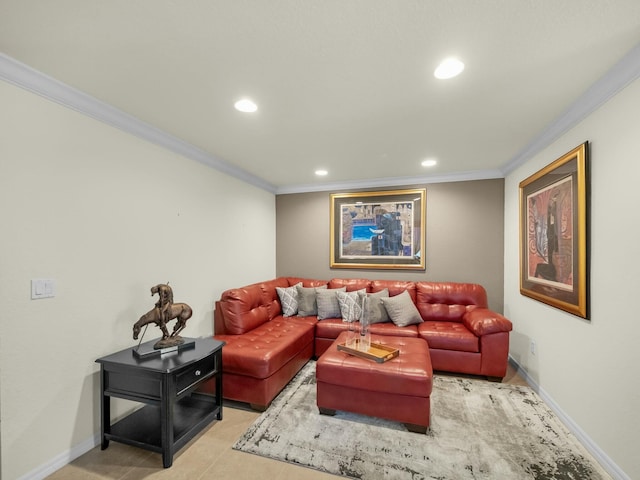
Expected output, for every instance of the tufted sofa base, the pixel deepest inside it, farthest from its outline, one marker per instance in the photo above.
(260, 363)
(264, 349)
(259, 392)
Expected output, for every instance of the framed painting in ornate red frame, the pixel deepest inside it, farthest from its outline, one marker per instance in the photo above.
(554, 233)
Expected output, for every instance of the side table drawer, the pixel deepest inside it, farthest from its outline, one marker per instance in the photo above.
(132, 386)
(195, 373)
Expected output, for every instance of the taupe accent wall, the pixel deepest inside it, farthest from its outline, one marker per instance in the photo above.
(464, 237)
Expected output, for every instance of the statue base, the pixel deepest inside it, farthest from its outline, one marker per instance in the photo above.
(163, 347)
(169, 342)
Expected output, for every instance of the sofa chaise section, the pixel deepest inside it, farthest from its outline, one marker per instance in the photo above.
(263, 350)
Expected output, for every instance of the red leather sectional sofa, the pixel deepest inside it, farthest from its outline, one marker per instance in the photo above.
(264, 350)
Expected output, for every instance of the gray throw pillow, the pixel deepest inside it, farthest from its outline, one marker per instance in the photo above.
(350, 305)
(307, 304)
(288, 299)
(372, 309)
(402, 310)
(328, 306)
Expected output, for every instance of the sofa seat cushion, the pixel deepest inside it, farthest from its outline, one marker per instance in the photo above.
(331, 327)
(390, 329)
(266, 349)
(310, 320)
(448, 336)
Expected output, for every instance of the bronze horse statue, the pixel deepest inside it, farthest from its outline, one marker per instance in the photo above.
(165, 311)
(180, 311)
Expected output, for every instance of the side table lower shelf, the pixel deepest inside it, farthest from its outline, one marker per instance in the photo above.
(190, 415)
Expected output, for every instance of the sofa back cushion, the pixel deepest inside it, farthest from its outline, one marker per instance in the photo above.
(270, 296)
(448, 301)
(351, 284)
(395, 287)
(246, 308)
(306, 282)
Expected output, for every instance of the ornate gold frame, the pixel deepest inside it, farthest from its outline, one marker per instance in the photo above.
(395, 222)
(554, 233)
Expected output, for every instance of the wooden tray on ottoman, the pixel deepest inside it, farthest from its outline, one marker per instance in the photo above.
(377, 352)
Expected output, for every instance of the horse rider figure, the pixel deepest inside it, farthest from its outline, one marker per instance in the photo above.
(165, 292)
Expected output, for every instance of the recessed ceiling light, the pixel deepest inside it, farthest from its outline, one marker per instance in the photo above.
(430, 162)
(321, 173)
(449, 68)
(245, 105)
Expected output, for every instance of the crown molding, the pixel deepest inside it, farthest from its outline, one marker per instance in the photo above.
(617, 78)
(611, 83)
(23, 76)
(391, 182)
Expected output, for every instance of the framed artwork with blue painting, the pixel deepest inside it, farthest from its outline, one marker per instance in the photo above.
(554, 234)
(378, 230)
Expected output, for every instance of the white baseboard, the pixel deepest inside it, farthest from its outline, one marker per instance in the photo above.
(67, 457)
(63, 459)
(609, 465)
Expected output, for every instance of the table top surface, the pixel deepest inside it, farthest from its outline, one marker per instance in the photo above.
(164, 363)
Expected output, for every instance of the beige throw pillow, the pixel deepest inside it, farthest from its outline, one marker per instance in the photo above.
(328, 305)
(288, 299)
(372, 309)
(307, 304)
(350, 305)
(402, 310)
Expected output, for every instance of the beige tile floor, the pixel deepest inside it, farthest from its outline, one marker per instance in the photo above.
(208, 456)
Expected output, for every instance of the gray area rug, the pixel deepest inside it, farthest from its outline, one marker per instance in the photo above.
(479, 430)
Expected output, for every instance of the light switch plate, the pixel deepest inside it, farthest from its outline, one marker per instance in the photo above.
(43, 288)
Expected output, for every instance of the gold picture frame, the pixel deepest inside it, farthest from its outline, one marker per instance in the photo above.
(378, 230)
(554, 233)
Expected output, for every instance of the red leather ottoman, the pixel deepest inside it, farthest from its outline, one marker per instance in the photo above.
(398, 389)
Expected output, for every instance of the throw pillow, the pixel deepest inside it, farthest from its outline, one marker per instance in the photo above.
(288, 299)
(328, 306)
(350, 305)
(307, 304)
(372, 309)
(402, 310)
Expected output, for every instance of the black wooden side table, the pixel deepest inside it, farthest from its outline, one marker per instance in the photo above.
(174, 412)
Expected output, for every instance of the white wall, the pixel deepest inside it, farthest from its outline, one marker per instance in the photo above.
(590, 368)
(108, 216)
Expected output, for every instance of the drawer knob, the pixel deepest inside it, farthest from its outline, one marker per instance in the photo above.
(198, 373)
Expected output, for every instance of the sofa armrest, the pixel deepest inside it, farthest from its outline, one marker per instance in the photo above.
(482, 321)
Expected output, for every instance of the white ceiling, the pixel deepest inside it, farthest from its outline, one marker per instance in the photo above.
(345, 85)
